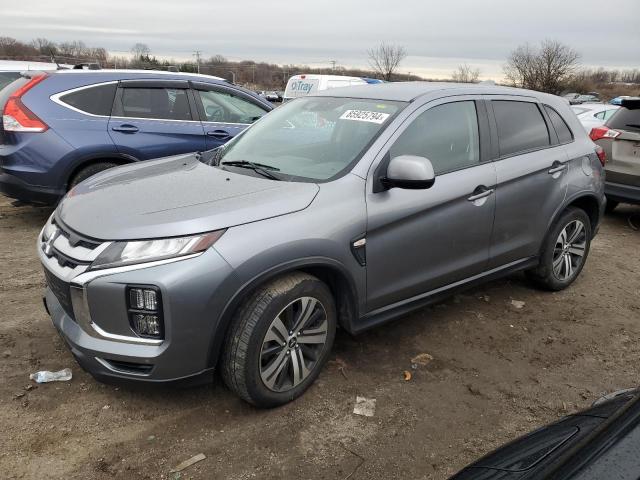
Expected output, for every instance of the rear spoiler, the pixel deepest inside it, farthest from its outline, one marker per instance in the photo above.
(631, 103)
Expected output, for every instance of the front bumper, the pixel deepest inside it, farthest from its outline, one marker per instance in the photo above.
(92, 317)
(622, 193)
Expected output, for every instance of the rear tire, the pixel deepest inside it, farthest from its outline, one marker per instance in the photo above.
(89, 171)
(279, 340)
(564, 251)
(611, 205)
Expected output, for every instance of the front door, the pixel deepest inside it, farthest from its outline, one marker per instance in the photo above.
(154, 119)
(420, 240)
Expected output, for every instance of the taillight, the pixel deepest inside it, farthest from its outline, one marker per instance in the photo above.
(603, 132)
(602, 155)
(16, 117)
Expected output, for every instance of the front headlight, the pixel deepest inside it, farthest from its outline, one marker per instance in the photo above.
(119, 254)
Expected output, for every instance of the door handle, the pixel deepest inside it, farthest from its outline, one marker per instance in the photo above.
(556, 167)
(480, 192)
(126, 128)
(220, 134)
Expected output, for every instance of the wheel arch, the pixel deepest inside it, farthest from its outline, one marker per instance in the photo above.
(588, 202)
(331, 272)
(85, 161)
(591, 206)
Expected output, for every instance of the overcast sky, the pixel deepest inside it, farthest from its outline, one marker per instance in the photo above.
(438, 35)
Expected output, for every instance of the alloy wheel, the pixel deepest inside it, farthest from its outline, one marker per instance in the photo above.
(569, 250)
(293, 344)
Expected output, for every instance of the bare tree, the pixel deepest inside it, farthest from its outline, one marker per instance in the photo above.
(466, 74)
(217, 60)
(546, 69)
(385, 59)
(44, 46)
(140, 50)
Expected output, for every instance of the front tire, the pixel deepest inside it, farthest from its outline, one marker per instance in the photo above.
(280, 340)
(564, 252)
(90, 171)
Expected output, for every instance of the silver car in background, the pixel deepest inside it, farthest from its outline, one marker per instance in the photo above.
(346, 208)
(592, 115)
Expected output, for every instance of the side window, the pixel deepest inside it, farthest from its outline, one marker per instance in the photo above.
(521, 126)
(227, 108)
(158, 103)
(96, 100)
(447, 135)
(561, 127)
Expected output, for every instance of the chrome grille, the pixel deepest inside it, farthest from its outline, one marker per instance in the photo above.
(64, 253)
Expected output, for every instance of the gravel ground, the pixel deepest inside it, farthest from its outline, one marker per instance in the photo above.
(497, 371)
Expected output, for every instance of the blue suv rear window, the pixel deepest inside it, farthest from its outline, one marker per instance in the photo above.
(96, 100)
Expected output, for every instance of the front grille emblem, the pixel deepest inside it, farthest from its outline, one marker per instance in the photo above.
(48, 245)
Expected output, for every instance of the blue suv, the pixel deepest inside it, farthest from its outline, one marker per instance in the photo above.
(60, 128)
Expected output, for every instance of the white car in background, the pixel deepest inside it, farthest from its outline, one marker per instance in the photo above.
(593, 115)
(303, 85)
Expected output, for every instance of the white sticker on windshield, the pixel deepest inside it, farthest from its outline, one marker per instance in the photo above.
(364, 116)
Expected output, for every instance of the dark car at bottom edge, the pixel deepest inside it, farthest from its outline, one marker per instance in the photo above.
(600, 443)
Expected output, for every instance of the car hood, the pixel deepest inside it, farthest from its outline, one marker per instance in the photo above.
(175, 196)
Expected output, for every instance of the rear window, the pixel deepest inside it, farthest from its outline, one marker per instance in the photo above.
(521, 126)
(625, 119)
(96, 100)
(560, 126)
(158, 103)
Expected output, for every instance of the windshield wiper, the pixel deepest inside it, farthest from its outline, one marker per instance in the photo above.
(260, 168)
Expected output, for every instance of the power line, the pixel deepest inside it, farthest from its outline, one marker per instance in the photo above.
(197, 54)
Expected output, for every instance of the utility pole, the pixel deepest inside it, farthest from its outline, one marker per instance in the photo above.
(333, 64)
(197, 54)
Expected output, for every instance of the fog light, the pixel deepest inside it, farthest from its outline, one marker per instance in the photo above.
(145, 310)
(143, 299)
(145, 324)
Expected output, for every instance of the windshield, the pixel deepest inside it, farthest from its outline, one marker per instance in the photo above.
(313, 138)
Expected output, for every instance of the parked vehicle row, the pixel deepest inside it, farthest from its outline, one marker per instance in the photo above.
(272, 96)
(347, 207)
(577, 98)
(61, 127)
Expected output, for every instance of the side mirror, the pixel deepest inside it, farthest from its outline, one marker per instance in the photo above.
(409, 171)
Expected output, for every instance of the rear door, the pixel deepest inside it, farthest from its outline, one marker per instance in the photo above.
(153, 119)
(225, 112)
(531, 177)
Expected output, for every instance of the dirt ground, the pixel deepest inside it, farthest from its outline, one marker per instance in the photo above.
(497, 372)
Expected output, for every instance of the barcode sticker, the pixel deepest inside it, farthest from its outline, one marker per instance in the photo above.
(364, 116)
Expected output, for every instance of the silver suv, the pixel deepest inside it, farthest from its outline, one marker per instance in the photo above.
(619, 137)
(348, 208)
